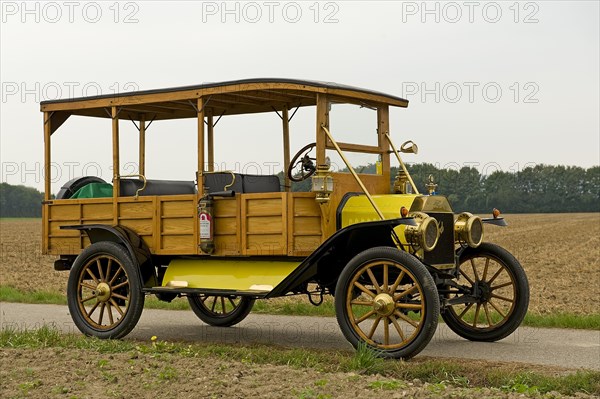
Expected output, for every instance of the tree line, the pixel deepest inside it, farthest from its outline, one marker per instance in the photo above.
(536, 189)
(20, 201)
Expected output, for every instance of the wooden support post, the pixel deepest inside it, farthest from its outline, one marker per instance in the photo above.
(47, 177)
(286, 147)
(211, 149)
(322, 120)
(200, 146)
(142, 149)
(383, 127)
(115, 148)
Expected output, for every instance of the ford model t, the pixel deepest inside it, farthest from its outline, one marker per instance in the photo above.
(393, 258)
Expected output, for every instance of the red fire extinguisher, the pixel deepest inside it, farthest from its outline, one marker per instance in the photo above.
(205, 218)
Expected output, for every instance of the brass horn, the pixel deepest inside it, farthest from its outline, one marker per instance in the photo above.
(409, 147)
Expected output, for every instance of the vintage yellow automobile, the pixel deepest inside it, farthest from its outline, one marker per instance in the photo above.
(393, 258)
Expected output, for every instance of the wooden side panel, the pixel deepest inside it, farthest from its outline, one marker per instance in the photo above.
(140, 216)
(304, 224)
(177, 230)
(227, 226)
(264, 224)
(168, 224)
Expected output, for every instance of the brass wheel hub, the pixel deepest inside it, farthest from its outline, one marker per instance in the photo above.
(383, 304)
(103, 292)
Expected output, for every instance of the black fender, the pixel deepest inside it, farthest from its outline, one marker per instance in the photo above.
(326, 263)
(136, 247)
(495, 221)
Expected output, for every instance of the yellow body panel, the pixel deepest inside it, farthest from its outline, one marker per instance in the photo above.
(358, 209)
(228, 274)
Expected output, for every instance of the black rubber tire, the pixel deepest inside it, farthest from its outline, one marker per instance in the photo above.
(239, 313)
(129, 272)
(421, 277)
(520, 300)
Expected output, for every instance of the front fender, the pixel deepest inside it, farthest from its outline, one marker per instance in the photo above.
(327, 261)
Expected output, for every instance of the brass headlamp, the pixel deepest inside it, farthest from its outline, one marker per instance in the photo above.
(425, 234)
(468, 229)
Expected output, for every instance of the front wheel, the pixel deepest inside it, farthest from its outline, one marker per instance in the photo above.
(496, 295)
(386, 299)
(104, 291)
(220, 310)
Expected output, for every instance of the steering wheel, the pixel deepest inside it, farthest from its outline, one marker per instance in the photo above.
(302, 166)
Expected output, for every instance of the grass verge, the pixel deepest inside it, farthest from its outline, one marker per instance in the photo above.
(298, 308)
(435, 371)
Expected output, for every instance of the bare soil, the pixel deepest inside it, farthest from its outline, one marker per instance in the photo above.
(560, 254)
(73, 373)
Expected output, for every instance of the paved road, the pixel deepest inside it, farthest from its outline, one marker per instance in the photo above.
(556, 347)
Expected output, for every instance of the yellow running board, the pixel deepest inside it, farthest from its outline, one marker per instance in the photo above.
(227, 274)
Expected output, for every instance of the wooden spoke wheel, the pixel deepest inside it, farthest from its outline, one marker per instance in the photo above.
(220, 310)
(104, 291)
(495, 295)
(387, 299)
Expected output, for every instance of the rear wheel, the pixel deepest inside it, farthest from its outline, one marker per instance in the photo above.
(220, 310)
(386, 299)
(104, 291)
(495, 295)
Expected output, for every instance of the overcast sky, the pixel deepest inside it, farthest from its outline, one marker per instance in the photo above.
(496, 85)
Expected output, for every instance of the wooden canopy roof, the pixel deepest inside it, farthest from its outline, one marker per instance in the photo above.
(224, 98)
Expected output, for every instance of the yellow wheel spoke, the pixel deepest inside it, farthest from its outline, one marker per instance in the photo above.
(374, 281)
(409, 306)
(485, 269)
(495, 276)
(86, 285)
(109, 311)
(474, 269)
(84, 300)
(120, 296)
(361, 303)
(406, 319)
(92, 275)
(373, 328)
(120, 285)
(476, 315)
(405, 293)
(465, 310)
(501, 285)
(100, 271)
(385, 277)
(108, 269)
(487, 314)
(503, 298)
(467, 277)
(397, 326)
(112, 280)
(497, 310)
(116, 306)
(397, 282)
(232, 302)
(93, 309)
(386, 331)
(365, 316)
(364, 289)
(102, 307)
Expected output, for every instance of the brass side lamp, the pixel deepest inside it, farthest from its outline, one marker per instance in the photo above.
(322, 183)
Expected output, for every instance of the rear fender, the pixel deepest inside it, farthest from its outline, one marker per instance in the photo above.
(136, 247)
